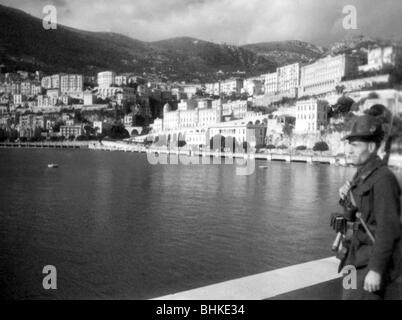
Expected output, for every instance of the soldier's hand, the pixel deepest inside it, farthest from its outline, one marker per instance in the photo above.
(343, 191)
(372, 282)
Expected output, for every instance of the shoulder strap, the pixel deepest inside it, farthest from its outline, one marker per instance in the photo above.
(359, 216)
(352, 198)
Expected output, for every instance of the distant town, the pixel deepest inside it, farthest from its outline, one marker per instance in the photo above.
(299, 107)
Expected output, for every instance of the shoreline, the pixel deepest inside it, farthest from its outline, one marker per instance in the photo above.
(46, 144)
(310, 159)
(395, 161)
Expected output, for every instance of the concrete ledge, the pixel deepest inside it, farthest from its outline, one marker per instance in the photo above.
(330, 290)
(266, 285)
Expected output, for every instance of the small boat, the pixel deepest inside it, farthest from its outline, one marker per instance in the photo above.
(52, 165)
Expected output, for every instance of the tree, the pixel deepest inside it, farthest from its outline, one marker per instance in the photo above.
(78, 116)
(287, 129)
(321, 146)
(37, 134)
(118, 132)
(271, 146)
(343, 105)
(3, 135)
(82, 138)
(126, 107)
(56, 126)
(12, 135)
(139, 120)
(301, 148)
(339, 89)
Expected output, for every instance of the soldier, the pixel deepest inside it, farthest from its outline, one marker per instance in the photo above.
(372, 207)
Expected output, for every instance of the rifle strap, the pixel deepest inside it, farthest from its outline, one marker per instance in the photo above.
(363, 223)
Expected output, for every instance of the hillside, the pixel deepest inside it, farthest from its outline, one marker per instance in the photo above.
(355, 42)
(286, 52)
(24, 44)
(205, 54)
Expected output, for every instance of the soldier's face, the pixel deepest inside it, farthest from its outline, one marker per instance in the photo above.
(360, 151)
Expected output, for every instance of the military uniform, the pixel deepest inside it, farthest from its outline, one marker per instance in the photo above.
(375, 193)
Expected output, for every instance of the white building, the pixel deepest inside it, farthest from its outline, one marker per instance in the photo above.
(252, 86)
(46, 82)
(204, 103)
(197, 137)
(236, 109)
(109, 92)
(182, 105)
(271, 83)
(53, 93)
(65, 99)
(288, 79)
(49, 124)
(17, 99)
(125, 95)
(35, 90)
(121, 80)
(191, 90)
(106, 79)
(190, 117)
(89, 98)
(71, 83)
(378, 58)
(206, 117)
(212, 88)
(157, 126)
(128, 120)
(45, 101)
(170, 118)
(51, 82)
(311, 116)
(325, 74)
(26, 88)
(74, 130)
(241, 130)
(231, 86)
(70, 122)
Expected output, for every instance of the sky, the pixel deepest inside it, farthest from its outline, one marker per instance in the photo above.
(235, 22)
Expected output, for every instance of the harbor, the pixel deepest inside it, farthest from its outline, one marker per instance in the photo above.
(283, 157)
(209, 225)
(47, 145)
(190, 151)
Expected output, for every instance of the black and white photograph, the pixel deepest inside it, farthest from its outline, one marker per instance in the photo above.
(219, 151)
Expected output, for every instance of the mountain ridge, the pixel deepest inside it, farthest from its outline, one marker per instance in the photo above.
(25, 45)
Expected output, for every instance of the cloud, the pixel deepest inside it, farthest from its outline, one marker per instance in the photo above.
(231, 21)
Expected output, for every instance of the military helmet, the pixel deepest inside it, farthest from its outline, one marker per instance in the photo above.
(366, 128)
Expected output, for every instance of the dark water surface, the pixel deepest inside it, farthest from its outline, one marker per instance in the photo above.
(115, 226)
